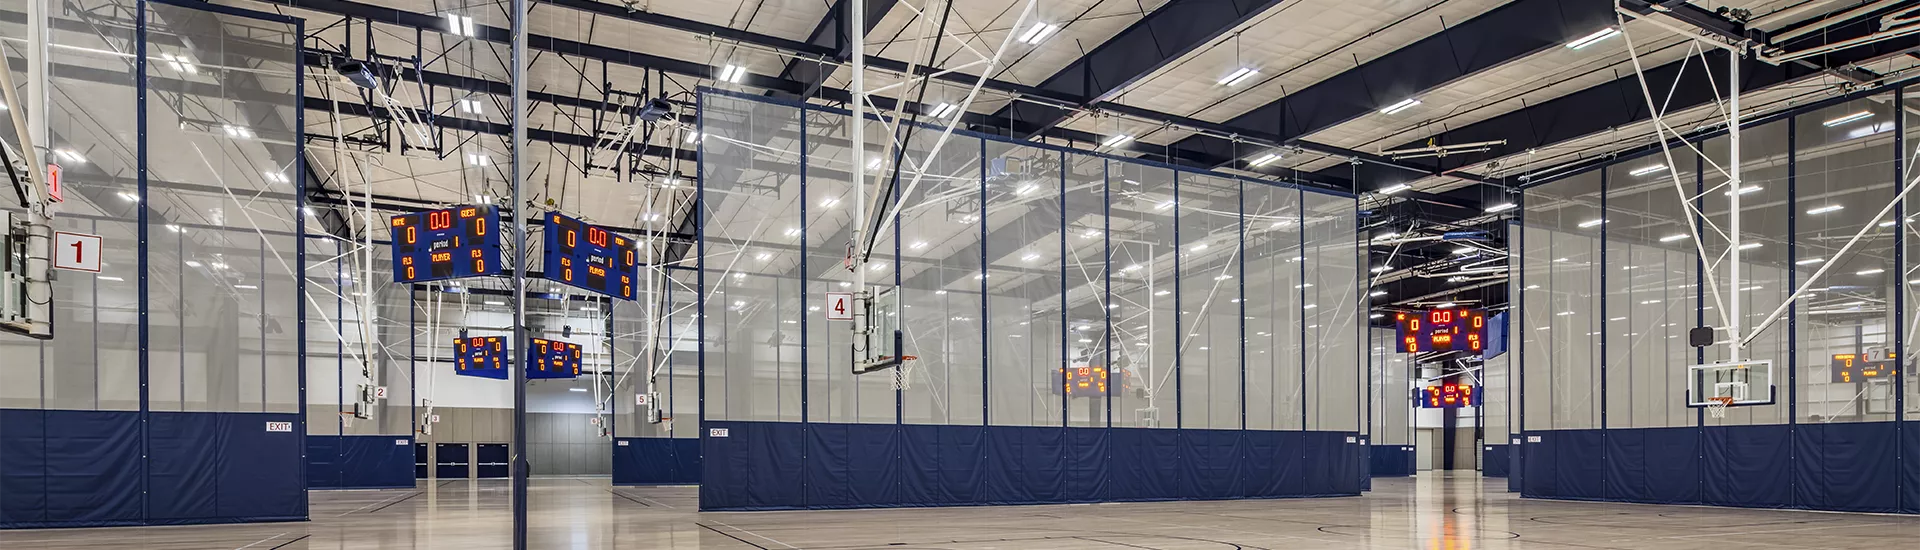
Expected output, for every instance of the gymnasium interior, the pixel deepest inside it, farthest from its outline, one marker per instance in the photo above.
(958, 274)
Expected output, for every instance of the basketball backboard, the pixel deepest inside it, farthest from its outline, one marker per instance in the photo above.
(1745, 382)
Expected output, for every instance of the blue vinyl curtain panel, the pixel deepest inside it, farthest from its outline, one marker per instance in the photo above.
(1606, 275)
(173, 389)
(1219, 315)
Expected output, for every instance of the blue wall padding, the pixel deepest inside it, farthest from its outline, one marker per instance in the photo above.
(1493, 460)
(759, 465)
(1748, 466)
(1394, 461)
(1515, 462)
(656, 461)
(84, 469)
(93, 467)
(1846, 466)
(1910, 475)
(359, 462)
(1655, 465)
(23, 466)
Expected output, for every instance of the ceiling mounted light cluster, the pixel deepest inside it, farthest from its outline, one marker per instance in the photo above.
(460, 24)
(1591, 39)
(732, 74)
(1848, 118)
(1038, 32)
(942, 110)
(1263, 160)
(180, 63)
(1403, 105)
(1644, 170)
(1116, 141)
(1238, 76)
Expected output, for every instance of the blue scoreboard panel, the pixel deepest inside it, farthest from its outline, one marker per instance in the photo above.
(1851, 367)
(482, 356)
(1084, 380)
(1441, 330)
(553, 359)
(589, 257)
(1448, 396)
(451, 243)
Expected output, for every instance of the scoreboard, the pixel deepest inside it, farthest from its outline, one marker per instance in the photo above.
(553, 359)
(1088, 380)
(1850, 367)
(1448, 396)
(589, 257)
(482, 356)
(1441, 330)
(450, 243)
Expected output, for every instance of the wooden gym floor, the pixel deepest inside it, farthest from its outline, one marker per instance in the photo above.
(1433, 512)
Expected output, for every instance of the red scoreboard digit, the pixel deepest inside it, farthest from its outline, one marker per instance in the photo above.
(1441, 330)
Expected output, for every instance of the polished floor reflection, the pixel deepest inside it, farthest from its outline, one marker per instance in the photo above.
(1462, 512)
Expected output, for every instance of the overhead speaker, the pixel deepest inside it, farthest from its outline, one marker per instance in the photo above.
(359, 73)
(656, 109)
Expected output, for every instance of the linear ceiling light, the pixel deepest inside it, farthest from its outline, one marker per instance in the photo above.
(1848, 118)
(1749, 246)
(1591, 223)
(1826, 209)
(1403, 105)
(1676, 237)
(1502, 207)
(732, 73)
(1395, 188)
(460, 24)
(1038, 32)
(1238, 76)
(1873, 271)
(1590, 39)
(1264, 160)
(70, 155)
(941, 110)
(1657, 168)
(1116, 140)
(470, 106)
(1745, 190)
(1810, 261)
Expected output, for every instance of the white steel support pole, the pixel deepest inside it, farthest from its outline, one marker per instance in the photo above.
(857, 47)
(1733, 214)
(519, 224)
(39, 297)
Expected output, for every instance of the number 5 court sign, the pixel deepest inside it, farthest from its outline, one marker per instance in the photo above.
(76, 251)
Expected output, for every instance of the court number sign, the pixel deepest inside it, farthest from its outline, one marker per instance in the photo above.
(839, 306)
(76, 251)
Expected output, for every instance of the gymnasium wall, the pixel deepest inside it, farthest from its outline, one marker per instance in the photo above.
(1611, 285)
(171, 390)
(1223, 312)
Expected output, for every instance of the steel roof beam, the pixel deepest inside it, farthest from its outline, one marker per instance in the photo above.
(1503, 35)
(831, 32)
(1618, 104)
(1172, 31)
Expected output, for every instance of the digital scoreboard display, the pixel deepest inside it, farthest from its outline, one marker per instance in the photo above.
(1448, 396)
(1441, 330)
(450, 243)
(1088, 380)
(553, 359)
(1852, 367)
(482, 356)
(589, 257)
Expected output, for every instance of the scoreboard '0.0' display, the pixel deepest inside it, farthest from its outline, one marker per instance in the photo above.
(450, 243)
(1441, 330)
(589, 257)
(1448, 396)
(552, 359)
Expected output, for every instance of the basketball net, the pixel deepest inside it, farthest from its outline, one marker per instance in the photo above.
(902, 379)
(1717, 406)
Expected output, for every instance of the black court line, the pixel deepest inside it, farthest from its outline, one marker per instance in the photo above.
(1117, 543)
(724, 534)
(284, 544)
(415, 494)
(617, 494)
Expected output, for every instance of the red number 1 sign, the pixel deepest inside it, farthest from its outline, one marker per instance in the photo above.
(76, 251)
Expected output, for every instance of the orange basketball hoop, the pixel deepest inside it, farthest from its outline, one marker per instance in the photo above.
(1717, 406)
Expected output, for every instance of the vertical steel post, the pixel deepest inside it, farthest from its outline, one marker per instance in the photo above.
(519, 140)
(1733, 212)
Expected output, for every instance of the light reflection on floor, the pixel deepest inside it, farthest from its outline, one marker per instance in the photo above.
(1431, 512)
